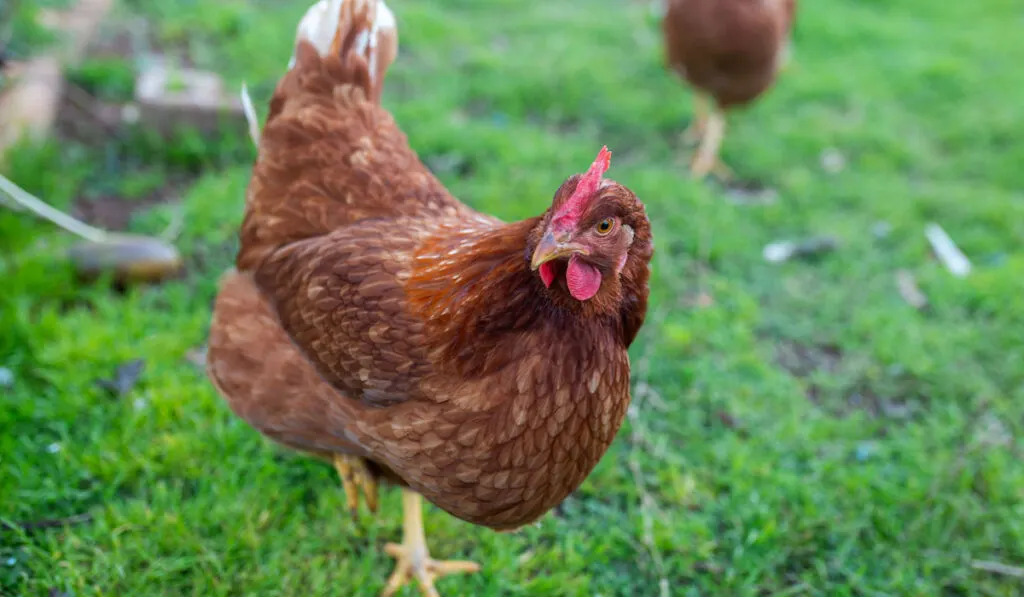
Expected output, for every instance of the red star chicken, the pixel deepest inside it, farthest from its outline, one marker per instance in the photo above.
(377, 322)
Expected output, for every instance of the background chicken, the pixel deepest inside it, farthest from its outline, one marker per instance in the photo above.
(376, 321)
(730, 52)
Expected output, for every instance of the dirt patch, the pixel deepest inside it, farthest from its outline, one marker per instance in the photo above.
(131, 36)
(842, 386)
(212, 257)
(801, 360)
(894, 400)
(115, 213)
(115, 41)
(92, 117)
(749, 192)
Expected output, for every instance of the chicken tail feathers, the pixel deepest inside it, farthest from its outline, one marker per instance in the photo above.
(362, 33)
(330, 155)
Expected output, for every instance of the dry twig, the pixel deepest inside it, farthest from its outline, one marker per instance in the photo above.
(998, 568)
(37, 206)
(49, 523)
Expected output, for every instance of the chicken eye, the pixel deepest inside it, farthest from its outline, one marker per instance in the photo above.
(605, 226)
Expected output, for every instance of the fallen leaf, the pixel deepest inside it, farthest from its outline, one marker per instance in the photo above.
(909, 290)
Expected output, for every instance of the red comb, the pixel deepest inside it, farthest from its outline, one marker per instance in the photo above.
(603, 161)
(573, 208)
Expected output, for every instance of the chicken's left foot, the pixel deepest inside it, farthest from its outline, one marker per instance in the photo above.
(721, 171)
(413, 558)
(355, 476)
(707, 161)
(696, 129)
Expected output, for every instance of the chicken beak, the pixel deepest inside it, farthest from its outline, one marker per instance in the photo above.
(550, 248)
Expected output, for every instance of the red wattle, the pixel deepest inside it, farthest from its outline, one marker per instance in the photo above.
(582, 278)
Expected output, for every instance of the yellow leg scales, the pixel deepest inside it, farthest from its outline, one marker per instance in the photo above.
(413, 560)
(356, 476)
(706, 160)
(695, 131)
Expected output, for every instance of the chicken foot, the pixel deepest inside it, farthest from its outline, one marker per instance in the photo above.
(355, 476)
(413, 558)
(701, 108)
(707, 159)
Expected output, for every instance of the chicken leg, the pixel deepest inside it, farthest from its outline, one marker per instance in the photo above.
(707, 159)
(355, 476)
(413, 559)
(695, 131)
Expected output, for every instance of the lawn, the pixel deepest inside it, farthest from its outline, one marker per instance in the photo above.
(798, 428)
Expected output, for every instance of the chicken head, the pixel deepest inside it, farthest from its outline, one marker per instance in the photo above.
(585, 239)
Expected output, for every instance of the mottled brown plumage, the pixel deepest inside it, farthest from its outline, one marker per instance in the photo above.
(373, 314)
(730, 52)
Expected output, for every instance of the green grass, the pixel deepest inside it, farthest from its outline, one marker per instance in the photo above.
(813, 434)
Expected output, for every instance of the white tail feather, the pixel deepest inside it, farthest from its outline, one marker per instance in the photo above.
(320, 24)
(250, 115)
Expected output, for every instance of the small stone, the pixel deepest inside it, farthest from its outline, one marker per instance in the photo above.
(993, 432)
(751, 195)
(124, 379)
(780, 251)
(130, 113)
(197, 356)
(881, 230)
(6, 377)
(864, 451)
(832, 161)
(499, 119)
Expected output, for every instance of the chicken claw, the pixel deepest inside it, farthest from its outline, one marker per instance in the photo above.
(707, 160)
(354, 476)
(413, 558)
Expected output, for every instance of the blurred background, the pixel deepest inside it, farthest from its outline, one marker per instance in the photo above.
(825, 402)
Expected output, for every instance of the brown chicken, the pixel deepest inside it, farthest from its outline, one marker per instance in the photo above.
(730, 52)
(377, 322)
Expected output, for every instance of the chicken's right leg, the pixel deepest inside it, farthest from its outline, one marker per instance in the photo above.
(355, 476)
(701, 109)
